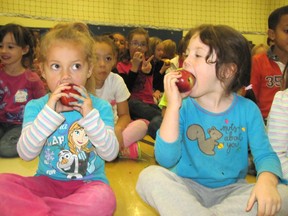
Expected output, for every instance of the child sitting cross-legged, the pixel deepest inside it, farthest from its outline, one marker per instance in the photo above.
(110, 86)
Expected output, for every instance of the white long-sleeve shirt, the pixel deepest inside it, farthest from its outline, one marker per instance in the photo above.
(277, 127)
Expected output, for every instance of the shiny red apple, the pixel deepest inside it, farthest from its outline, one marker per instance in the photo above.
(66, 100)
(186, 81)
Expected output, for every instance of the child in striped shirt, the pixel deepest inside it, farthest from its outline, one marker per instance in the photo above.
(72, 141)
(277, 125)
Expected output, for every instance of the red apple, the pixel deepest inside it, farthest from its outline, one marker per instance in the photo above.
(66, 100)
(186, 81)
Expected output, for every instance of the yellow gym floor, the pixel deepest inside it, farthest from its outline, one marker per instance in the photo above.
(122, 175)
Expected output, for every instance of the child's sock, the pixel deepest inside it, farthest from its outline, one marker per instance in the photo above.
(131, 152)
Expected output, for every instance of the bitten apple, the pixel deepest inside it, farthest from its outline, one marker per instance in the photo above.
(167, 62)
(66, 100)
(186, 81)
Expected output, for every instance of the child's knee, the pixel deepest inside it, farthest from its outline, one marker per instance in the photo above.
(9, 178)
(149, 175)
(103, 200)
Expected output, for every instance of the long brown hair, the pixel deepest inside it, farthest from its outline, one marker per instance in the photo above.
(23, 37)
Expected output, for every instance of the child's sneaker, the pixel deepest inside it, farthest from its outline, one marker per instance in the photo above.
(132, 152)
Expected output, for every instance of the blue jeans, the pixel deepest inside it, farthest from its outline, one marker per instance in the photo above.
(154, 125)
(151, 112)
(140, 110)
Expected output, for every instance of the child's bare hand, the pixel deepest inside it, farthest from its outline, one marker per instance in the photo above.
(54, 99)
(119, 135)
(267, 197)
(83, 103)
(146, 65)
(136, 60)
(171, 90)
(164, 68)
(157, 95)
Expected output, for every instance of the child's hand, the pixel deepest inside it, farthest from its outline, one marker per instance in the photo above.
(136, 60)
(119, 135)
(157, 95)
(54, 99)
(174, 97)
(146, 65)
(265, 193)
(83, 104)
(164, 68)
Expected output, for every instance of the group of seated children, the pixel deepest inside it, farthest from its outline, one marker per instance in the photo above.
(202, 143)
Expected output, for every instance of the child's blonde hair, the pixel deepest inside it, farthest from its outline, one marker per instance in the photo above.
(107, 40)
(77, 33)
(153, 42)
(170, 48)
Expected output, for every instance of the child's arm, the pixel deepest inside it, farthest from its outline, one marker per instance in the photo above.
(164, 68)
(267, 164)
(139, 59)
(102, 136)
(169, 129)
(123, 121)
(265, 193)
(146, 65)
(34, 134)
(277, 129)
(168, 139)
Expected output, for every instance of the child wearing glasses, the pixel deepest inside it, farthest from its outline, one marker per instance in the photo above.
(138, 76)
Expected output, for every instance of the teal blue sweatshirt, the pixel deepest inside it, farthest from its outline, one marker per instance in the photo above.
(212, 148)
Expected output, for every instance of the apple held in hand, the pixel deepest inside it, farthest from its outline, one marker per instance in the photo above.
(167, 62)
(186, 81)
(66, 100)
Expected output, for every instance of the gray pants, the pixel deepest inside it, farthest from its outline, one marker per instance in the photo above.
(9, 136)
(172, 195)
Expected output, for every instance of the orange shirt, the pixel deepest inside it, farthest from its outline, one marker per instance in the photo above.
(266, 79)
